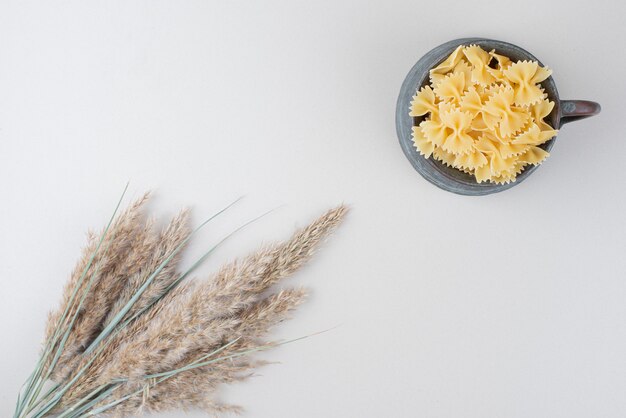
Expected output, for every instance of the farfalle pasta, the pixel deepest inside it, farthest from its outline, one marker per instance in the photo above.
(483, 114)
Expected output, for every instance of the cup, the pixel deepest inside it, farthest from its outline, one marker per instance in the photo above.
(449, 178)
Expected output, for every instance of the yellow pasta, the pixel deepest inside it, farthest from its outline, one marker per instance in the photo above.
(457, 123)
(471, 161)
(423, 145)
(539, 111)
(451, 87)
(534, 155)
(444, 156)
(435, 131)
(524, 76)
(471, 102)
(450, 62)
(499, 113)
(464, 68)
(483, 114)
(503, 64)
(423, 102)
(479, 59)
(534, 136)
(509, 149)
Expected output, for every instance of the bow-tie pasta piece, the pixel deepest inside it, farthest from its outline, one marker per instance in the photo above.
(451, 88)
(423, 102)
(499, 164)
(483, 174)
(471, 102)
(509, 176)
(470, 161)
(479, 59)
(512, 122)
(461, 67)
(503, 62)
(458, 124)
(464, 68)
(541, 110)
(449, 63)
(500, 113)
(435, 79)
(497, 64)
(486, 143)
(534, 136)
(435, 131)
(525, 75)
(422, 144)
(534, 155)
(484, 114)
(444, 156)
(509, 149)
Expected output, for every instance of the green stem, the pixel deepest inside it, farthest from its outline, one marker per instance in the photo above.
(35, 381)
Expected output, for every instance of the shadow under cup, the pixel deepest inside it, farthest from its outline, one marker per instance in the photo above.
(451, 179)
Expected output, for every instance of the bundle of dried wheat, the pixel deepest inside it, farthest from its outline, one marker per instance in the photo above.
(130, 335)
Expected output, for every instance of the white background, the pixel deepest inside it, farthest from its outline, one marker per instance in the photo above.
(511, 305)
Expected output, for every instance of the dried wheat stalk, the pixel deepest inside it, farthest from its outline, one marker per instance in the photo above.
(131, 336)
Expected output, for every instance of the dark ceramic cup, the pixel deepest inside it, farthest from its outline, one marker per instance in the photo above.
(451, 179)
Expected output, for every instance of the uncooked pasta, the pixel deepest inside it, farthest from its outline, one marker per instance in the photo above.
(483, 114)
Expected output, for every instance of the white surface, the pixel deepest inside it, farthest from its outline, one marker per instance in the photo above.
(511, 305)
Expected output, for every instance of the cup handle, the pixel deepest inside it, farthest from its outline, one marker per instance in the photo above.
(572, 110)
